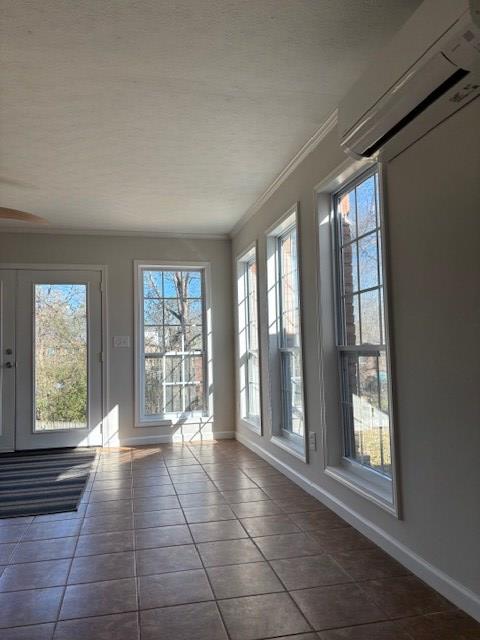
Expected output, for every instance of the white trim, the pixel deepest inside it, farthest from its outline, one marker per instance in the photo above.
(287, 445)
(104, 329)
(175, 420)
(342, 175)
(284, 222)
(169, 438)
(105, 353)
(242, 258)
(450, 588)
(346, 171)
(365, 487)
(250, 424)
(328, 125)
(46, 230)
(289, 220)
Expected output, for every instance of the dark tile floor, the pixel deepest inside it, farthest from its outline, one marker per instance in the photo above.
(206, 542)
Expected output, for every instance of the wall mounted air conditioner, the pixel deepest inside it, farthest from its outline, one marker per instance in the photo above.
(429, 70)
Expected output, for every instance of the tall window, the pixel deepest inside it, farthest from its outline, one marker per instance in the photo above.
(362, 339)
(249, 374)
(172, 342)
(284, 321)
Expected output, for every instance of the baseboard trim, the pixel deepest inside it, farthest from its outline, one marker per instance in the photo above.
(169, 438)
(461, 596)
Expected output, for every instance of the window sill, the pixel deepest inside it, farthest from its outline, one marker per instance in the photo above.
(365, 482)
(290, 447)
(173, 420)
(251, 425)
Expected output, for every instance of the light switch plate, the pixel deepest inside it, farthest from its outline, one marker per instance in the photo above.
(121, 341)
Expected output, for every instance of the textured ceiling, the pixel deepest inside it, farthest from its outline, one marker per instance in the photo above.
(170, 115)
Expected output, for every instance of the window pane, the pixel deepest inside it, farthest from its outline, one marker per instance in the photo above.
(153, 312)
(366, 206)
(289, 290)
(370, 317)
(193, 368)
(253, 387)
(173, 328)
(193, 311)
(175, 310)
(153, 386)
(193, 338)
(174, 338)
(170, 281)
(194, 397)
(347, 217)
(61, 369)
(194, 284)
(368, 261)
(352, 319)
(252, 305)
(367, 410)
(292, 391)
(152, 284)
(173, 368)
(153, 339)
(174, 398)
(350, 268)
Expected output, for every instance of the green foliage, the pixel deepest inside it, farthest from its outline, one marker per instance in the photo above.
(60, 355)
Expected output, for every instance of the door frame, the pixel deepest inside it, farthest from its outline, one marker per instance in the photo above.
(105, 362)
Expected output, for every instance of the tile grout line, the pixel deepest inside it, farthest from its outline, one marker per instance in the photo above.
(227, 632)
(274, 572)
(268, 562)
(97, 459)
(134, 533)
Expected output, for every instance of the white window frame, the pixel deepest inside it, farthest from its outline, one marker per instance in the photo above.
(243, 260)
(293, 443)
(174, 418)
(374, 486)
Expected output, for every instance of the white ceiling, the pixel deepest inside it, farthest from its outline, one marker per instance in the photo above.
(170, 115)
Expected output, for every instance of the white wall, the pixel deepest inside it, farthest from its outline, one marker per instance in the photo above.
(118, 254)
(433, 206)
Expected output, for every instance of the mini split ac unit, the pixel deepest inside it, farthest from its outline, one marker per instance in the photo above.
(428, 71)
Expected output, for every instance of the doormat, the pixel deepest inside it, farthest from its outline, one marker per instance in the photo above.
(43, 481)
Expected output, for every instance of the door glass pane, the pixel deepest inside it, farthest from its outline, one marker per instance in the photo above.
(60, 357)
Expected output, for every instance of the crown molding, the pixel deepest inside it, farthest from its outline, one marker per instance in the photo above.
(112, 232)
(307, 148)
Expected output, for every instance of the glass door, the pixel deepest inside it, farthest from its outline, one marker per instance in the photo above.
(58, 359)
